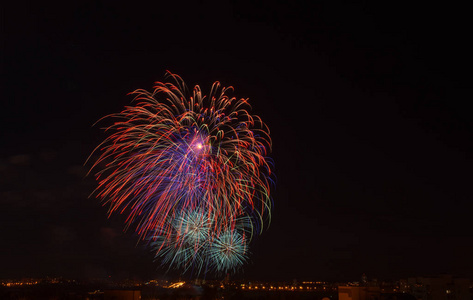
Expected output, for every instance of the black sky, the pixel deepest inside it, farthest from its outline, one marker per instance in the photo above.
(368, 106)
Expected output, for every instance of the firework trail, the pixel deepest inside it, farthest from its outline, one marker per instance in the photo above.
(186, 169)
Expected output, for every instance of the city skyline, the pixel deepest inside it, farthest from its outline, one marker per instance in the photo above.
(445, 287)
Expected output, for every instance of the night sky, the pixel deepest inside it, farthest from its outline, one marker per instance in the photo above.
(368, 106)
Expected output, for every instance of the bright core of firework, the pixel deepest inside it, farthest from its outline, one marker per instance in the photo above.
(191, 173)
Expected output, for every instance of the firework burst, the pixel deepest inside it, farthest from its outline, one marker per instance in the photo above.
(185, 168)
(190, 242)
(228, 251)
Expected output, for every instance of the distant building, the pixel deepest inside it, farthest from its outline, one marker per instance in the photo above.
(369, 293)
(122, 295)
(359, 293)
(364, 280)
(439, 288)
(404, 286)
